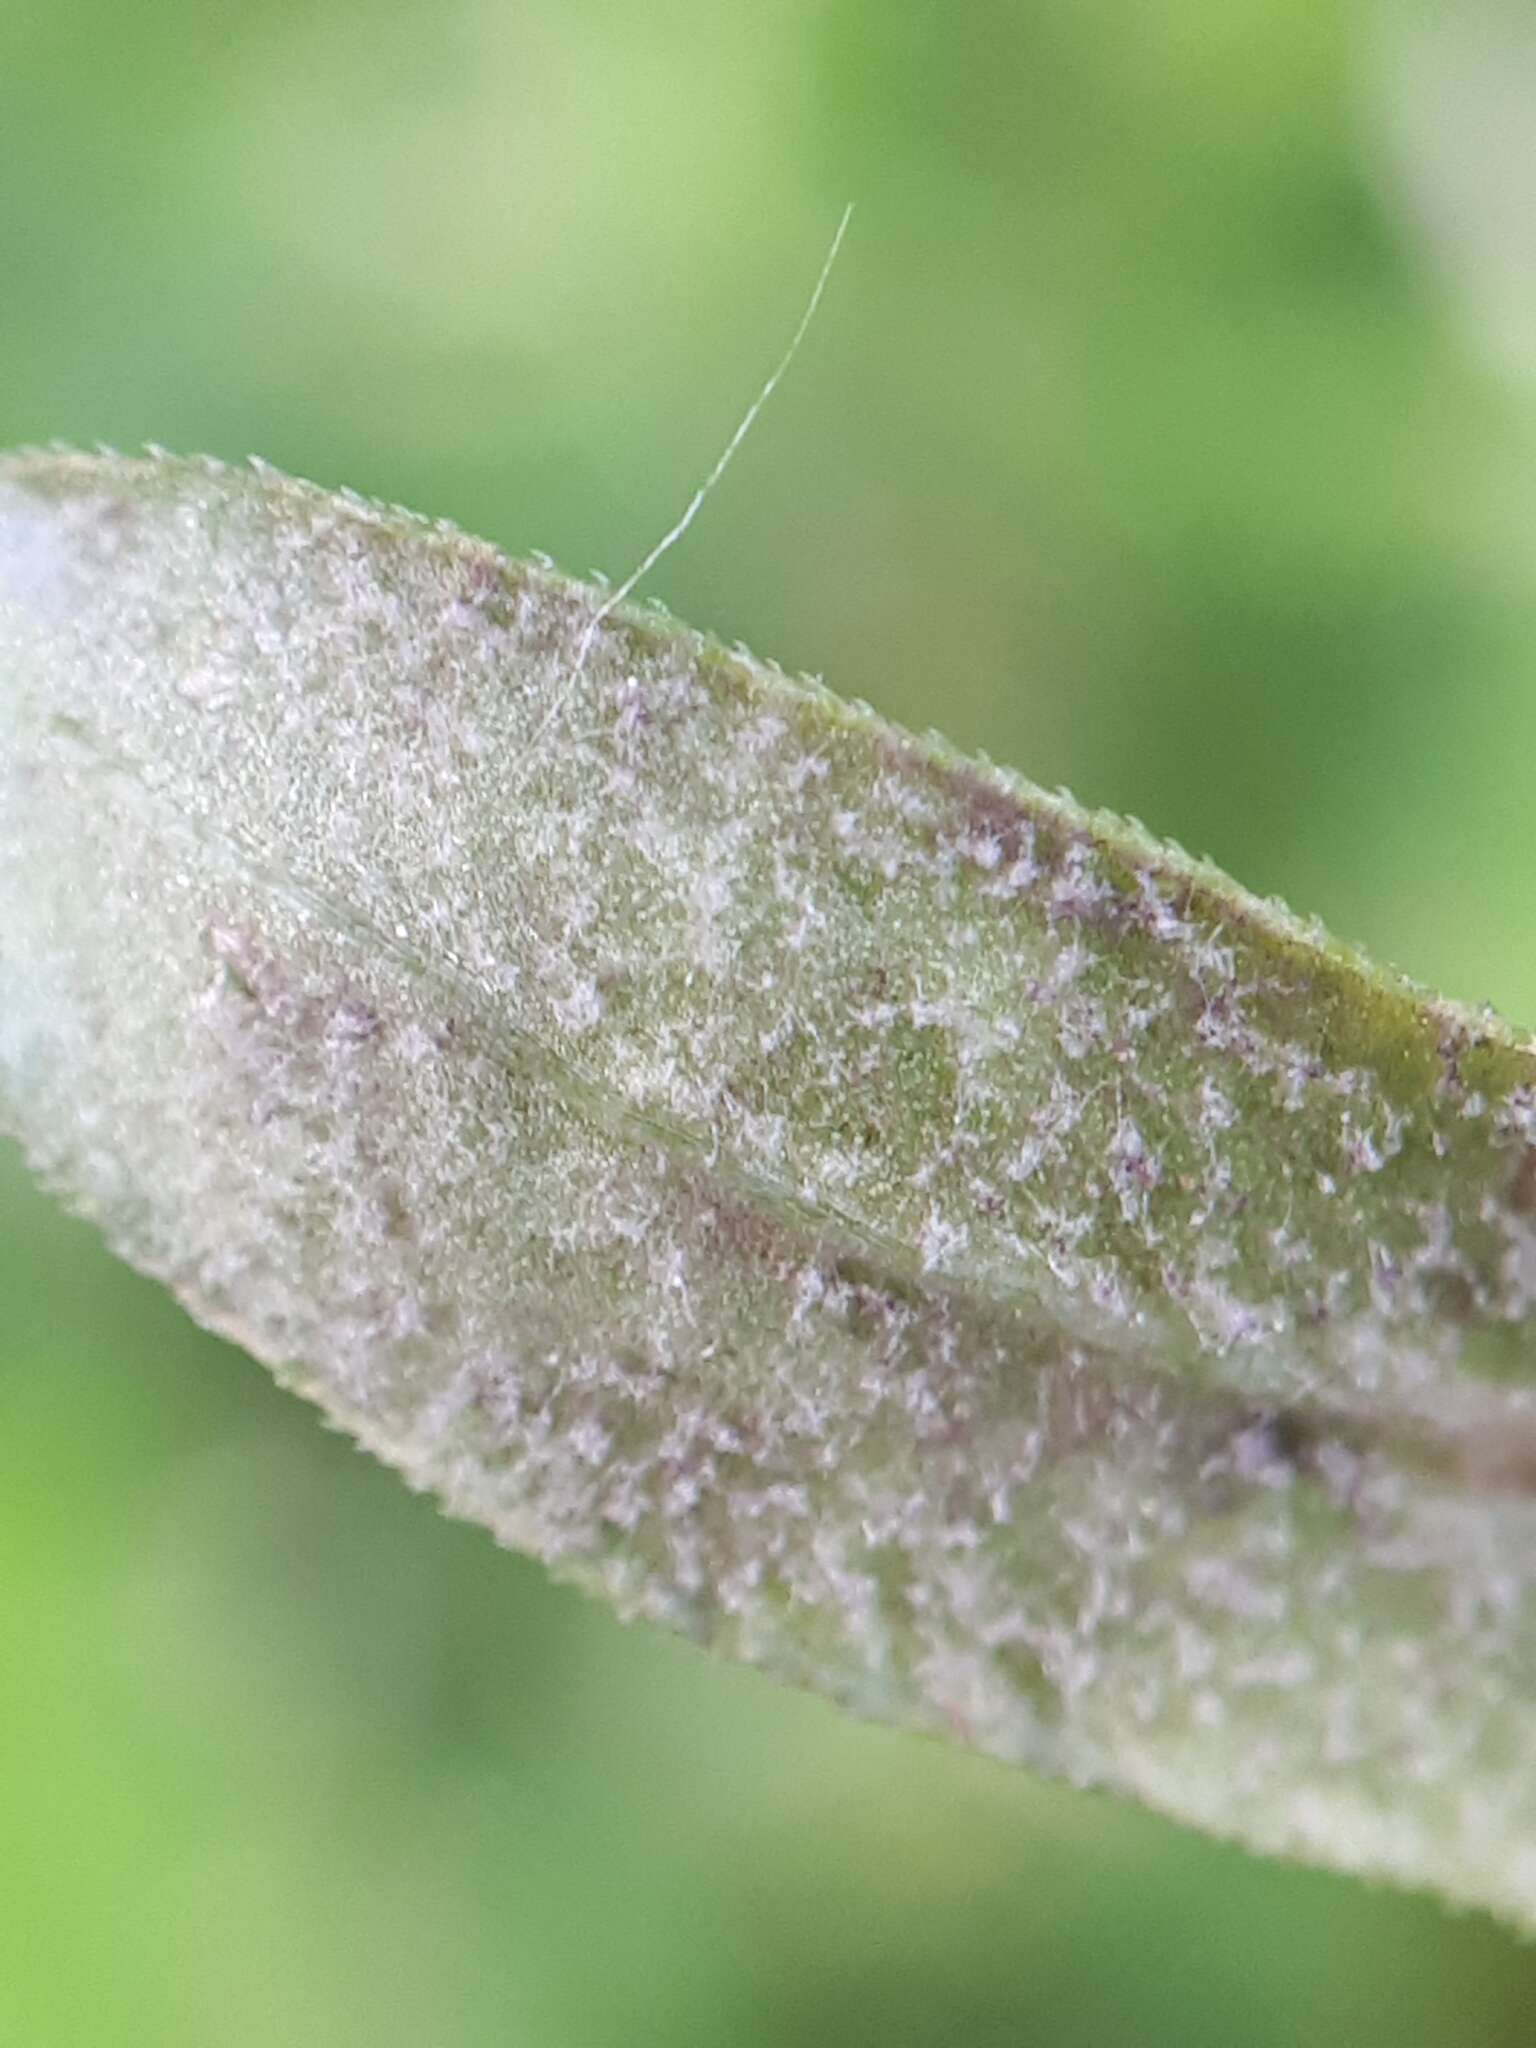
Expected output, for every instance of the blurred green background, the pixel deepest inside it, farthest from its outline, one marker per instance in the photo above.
(1168, 431)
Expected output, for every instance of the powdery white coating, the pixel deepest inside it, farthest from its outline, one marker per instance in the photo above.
(821, 1193)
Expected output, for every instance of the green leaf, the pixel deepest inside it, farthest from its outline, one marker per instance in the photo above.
(816, 1191)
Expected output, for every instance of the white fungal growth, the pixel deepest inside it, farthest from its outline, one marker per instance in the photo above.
(821, 1193)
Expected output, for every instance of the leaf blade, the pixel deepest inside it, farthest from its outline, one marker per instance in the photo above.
(822, 1194)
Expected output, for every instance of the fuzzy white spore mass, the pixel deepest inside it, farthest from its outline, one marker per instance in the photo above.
(820, 1193)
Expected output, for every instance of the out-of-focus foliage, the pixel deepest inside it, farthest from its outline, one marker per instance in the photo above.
(1138, 354)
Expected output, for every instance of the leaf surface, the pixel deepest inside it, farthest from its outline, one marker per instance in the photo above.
(819, 1192)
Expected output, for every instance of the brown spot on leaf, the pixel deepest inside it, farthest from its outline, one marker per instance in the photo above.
(1449, 1295)
(1501, 1460)
(1522, 1188)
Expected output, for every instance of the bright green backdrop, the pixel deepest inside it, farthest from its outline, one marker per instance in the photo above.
(1167, 431)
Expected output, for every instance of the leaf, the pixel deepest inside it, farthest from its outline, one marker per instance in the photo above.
(818, 1192)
